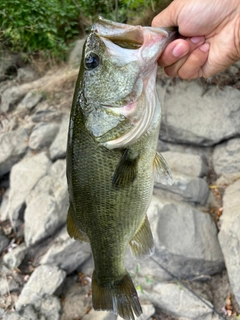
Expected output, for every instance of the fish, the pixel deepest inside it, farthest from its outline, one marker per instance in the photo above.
(111, 155)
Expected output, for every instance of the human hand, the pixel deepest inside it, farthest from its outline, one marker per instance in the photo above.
(212, 31)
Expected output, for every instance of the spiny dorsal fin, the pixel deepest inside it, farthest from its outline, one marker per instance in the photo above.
(72, 227)
(142, 245)
(126, 170)
(162, 172)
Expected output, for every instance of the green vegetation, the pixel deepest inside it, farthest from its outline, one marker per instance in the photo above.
(48, 26)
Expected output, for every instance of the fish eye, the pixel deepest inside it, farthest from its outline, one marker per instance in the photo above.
(92, 61)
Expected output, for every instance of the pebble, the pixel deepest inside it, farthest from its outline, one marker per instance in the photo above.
(58, 148)
(42, 135)
(14, 258)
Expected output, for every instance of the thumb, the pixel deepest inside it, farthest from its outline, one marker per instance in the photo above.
(166, 18)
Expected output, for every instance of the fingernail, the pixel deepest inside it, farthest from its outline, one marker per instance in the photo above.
(205, 47)
(179, 50)
(196, 39)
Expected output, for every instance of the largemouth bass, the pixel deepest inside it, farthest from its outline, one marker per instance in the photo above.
(111, 155)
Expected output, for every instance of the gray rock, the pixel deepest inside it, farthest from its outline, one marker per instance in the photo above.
(24, 176)
(195, 118)
(229, 235)
(58, 147)
(226, 157)
(66, 253)
(190, 189)
(27, 313)
(44, 280)
(47, 204)
(43, 135)
(188, 164)
(14, 258)
(26, 75)
(13, 147)
(76, 54)
(30, 100)
(177, 301)
(7, 284)
(186, 242)
(148, 311)
(4, 241)
(10, 97)
(3, 206)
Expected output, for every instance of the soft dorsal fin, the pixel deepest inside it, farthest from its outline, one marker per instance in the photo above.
(142, 245)
(73, 229)
(162, 172)
(126, 170)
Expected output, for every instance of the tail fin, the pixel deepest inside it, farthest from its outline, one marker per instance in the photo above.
(119, 297)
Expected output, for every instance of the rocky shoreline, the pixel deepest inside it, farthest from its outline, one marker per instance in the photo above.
(44, 274)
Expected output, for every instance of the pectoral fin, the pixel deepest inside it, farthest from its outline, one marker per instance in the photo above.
(126, 170)
(72, 227)
(142, 245)
(162, 172)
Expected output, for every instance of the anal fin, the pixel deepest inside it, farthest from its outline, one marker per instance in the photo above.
(126, 170)
(162, 172)
(72, 227)
(142, 245)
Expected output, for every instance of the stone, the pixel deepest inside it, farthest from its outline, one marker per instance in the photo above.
(47, 204)
(186, 242)
(23, 178)
(10, 97)
(26, 75)
(188, 164)
(185, 188)
(229, 235)
(28, 313)
(66, 253)
(58, 148)
(7, 284)
(177, 301)
(4, 241)
(13, 148)
(148, 311)
(226, 157)
(76, 54)
(195, 118)
(44, 280)
(31, 99)
(14, 258)
(42, 135)
(3, 206)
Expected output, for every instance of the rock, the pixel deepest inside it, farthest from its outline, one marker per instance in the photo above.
(58, 147)
(177, 301)
(13, 147)
(14, 258)
(188, 164)
(28, 313)
(44, 280)
(24, 176)
(26, 75)
(186, 242)
(46, 113)
(43, 135)
(186, 188)
(7, 284)
(229, 235)
(4, 241)
(30, 100)
(195, 118)
(11, 97)
(66, 253)
(226, 157)
(76, 54)
(3, 206)
(47, 204)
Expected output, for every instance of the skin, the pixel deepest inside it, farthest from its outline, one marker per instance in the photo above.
(211, 37)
